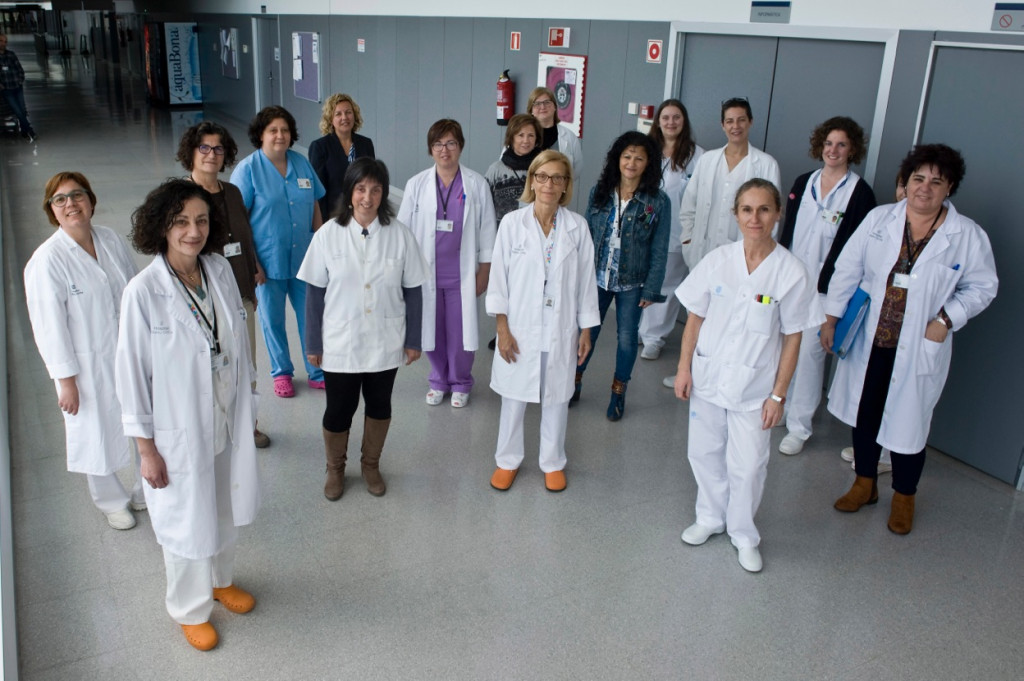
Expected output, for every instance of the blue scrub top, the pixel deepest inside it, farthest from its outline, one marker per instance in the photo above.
(280, 209)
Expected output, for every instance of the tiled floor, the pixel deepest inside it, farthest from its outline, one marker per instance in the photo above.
(444, 578)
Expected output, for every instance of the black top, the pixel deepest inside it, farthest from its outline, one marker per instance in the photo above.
(862, 201)
(330, 163)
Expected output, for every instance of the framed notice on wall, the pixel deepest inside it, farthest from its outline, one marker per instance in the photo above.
(229, 53)
(306, 65)
(565, 75)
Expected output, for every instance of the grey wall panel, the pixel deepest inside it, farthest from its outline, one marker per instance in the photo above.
(815, 80)
(378, 76)
(605, 102)
(227, 97)
(457, 70)
(978, 419)
(718, 67)
(490, 47)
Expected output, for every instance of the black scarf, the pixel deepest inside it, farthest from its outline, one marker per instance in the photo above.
(517, 162)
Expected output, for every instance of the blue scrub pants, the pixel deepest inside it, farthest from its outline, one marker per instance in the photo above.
(271, 297)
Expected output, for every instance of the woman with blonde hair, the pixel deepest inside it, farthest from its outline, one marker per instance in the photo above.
(339, 147)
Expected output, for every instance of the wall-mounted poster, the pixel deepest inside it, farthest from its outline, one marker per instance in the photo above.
(565, 75)
(229, 53)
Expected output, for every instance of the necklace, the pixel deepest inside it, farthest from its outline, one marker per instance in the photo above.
(196, 286)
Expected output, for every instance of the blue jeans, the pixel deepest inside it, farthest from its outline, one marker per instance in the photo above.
(16, 100)
(627, 319)
(271, 309)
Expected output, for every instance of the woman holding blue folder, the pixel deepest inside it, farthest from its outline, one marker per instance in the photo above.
(928, 270)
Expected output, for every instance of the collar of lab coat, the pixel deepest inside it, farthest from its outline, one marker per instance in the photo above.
(939, 241)
(168, 288)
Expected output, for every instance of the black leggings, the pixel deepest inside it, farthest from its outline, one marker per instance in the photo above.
(906, 468)
(343, 397)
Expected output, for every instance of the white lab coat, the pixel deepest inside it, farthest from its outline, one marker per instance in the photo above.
(695, 213)
(364, 311)
(955, 271)
(740, 343)
(419, 212)
(569, 144)
(516, 289)
(165, 385)
(73, 307)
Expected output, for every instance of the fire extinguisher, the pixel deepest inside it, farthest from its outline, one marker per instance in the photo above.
(506, 98)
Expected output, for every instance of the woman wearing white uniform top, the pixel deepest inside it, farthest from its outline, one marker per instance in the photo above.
(748, 304)
(824, 208)
(543, 293)
(544, 107)
(928, 270)
(73, 286)
(679, 153)
(184, 375)
(363, 271)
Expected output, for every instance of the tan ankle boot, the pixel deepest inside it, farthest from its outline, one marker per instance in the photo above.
(375, 432)
(901, 513)
(336, 448)
(863, 492)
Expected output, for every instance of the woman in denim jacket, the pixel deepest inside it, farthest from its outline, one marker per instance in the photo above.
(630, 221)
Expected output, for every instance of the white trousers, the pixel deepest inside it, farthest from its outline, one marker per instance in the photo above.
(657, 321)
(728, 452)
(109, 494)
(190, 581)
(553, 419)
(805, 389)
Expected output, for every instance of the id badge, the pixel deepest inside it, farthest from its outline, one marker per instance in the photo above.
(444, 225)
(304, 183)
(232, 249)
(615, 242)
(549, 302)
(831, 217)
(218, 361)
(901, 280)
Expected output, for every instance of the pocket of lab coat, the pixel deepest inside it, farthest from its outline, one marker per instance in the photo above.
(760, 316)
(173, 447)
(743, 384)
(700, 372)
(930, 357)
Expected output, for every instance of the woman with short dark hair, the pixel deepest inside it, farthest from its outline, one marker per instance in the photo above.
(364, 272)
(507, 175)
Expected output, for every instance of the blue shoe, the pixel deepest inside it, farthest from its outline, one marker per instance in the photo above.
(617, 404)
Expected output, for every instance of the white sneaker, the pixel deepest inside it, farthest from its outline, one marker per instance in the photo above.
(651, 352)
(847, 454)
(750, 559)
(137, 505)
(791, 444)
(460, 400)
(435, 397)
(121, 520)
(669, 381)
(883, 467)
(697, 534)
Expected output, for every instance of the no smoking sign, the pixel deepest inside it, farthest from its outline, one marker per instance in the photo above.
(654, 49)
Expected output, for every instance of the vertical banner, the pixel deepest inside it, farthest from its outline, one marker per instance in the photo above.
(565, 75)
(182, 53)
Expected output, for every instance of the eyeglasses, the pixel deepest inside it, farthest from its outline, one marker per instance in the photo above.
(205, 149)
(557, 180)
(450, 145)
(543, 103)
(75, 195)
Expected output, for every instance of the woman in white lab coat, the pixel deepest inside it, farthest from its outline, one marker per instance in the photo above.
(449, 209)
(543, 105)
(363, 274)
(184, 376)
(748, 304)
(928, 270)
(73, 286)
(542, 291)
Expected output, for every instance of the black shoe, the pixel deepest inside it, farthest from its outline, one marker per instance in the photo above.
(493, 343)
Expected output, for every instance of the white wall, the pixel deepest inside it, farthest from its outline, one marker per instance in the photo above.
(959, 15)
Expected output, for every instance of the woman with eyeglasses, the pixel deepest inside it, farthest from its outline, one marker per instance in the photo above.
(507, 175)
(73, 286)
(630, 221)
(282, 192)
(339, 147)
(205, 150)
(544, 107)
(449, 210)
(543, 297)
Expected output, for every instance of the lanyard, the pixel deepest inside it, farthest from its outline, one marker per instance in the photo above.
(209, 330)
(831, 195)
(912, 252)
(444, 199)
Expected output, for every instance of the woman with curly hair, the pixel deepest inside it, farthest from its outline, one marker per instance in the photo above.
(183, 374)
(339, 147)
(630, 221)
(824, 208)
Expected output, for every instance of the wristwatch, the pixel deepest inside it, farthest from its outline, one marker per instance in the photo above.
(776, 398)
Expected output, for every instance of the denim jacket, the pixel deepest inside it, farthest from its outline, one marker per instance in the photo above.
(646, 225)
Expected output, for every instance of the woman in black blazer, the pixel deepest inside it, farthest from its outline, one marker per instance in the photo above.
(340, 146)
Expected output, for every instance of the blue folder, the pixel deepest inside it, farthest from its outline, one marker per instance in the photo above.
(852, 322)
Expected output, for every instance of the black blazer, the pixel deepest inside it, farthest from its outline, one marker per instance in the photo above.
(330, 163)
(862, 201)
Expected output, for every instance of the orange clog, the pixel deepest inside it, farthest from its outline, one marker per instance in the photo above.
(201, 636)
(503, 479)
(235, 599)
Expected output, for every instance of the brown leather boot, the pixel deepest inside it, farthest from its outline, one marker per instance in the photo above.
(336, 448)
(863, 492)
(901, 513)
(375, 432)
